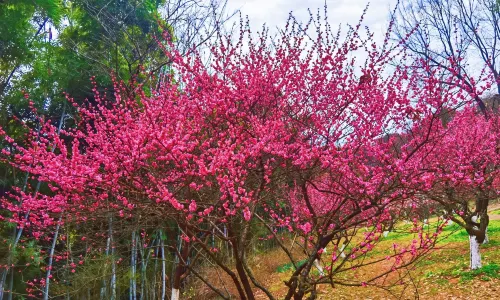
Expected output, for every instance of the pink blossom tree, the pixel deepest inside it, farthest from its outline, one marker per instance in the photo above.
(463, 168)
(215, 148)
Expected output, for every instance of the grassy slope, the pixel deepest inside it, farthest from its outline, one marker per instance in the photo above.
(441, 275)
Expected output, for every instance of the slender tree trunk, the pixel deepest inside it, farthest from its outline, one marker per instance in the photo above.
(51, 257)
(11, 284)
(228, 246)
(155, 269)
(111, 248)
(144, 261)
(136, 244)
(163, 270)
(177, 270)
(113, 275)
(104, 288)
(132, 287)
(3, 279)
(69, 259)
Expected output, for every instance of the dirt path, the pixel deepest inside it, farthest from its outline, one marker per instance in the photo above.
(494, 207)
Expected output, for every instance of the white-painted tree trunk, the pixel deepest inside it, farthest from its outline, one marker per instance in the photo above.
(448, 222)
(475, 254)
(341, 250)
(486, 240)
(175, 294)
(385, 233)
(318, 266)
(426, 223)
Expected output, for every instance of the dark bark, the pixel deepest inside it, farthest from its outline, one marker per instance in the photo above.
(180, 268)
(238, 256)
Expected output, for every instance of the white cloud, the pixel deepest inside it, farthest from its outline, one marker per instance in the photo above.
(274, 13)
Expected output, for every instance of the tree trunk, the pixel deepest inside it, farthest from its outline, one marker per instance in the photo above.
(132, 290)
(144, 265)
(51, 257)
(155, 268)
(3, 278)
(486, 240)
(113, 263)
(104, 287)
(183, 251)
(475, 254)
(239, 256)
(318, 266)
(175, 294)
(163, 270)
(341, 250)
(11, 284)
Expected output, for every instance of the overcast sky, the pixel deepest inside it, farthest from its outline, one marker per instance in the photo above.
(275, 12)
